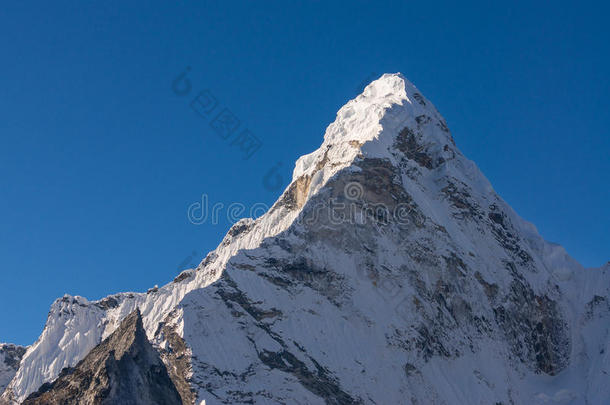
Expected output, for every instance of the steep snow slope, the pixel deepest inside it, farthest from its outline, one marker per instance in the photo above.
(389, 271)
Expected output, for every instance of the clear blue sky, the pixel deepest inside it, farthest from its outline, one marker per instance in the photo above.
(99, 158)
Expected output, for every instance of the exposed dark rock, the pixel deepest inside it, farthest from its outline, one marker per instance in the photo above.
(239, 228)
(507, 236)
(497, 218)
(12, 354)
(491, 289)
(319, 382)
(419, 98)
(232, 295)
(458, 194)
(406, 142)
(186, 274)
(177, 358)
(535, 329)
(422, 119)
(410, 369)
(10, 359)
(456, 264)
(443, 126)
(597, 306)
(429, 344)
(107, 303)
(301, 271)
(123, 369)
(296, 195)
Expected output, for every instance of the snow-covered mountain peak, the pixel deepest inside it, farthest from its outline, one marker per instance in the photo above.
(359, 121)
(390, 114)
(388, 258)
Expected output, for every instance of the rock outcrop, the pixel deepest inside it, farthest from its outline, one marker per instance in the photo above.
(10, 358)
(124, 369)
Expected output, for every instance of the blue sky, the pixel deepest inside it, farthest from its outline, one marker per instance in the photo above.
(100, 159)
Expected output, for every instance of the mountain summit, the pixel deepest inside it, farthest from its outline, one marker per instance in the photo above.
(388, 272)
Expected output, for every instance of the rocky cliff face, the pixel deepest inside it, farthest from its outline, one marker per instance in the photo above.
(10, 357)
(389, 271)
(123, 369)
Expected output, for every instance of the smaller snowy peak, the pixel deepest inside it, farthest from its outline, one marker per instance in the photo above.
(73, 325)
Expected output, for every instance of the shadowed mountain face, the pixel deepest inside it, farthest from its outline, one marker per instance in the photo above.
(124, 369)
